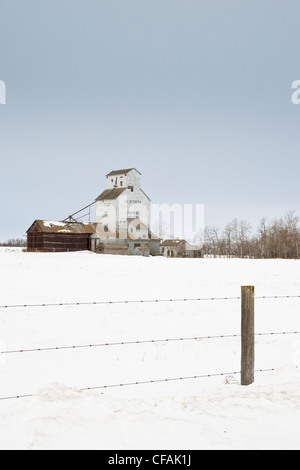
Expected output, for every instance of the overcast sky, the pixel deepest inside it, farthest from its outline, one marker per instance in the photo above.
(196, 94)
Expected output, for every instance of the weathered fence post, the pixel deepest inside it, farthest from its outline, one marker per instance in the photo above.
(248, 347)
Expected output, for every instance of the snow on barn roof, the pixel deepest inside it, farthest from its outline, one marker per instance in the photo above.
(53, 226)
(172, 242)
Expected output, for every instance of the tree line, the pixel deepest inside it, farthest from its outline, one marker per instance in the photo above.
(14, 242)
(279, 238)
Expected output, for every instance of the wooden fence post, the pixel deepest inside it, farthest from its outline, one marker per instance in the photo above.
(248, 344)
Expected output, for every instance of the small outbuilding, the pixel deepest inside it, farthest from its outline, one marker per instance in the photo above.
(176, 248)
(173, 248)
(54, 236)
(112, 248)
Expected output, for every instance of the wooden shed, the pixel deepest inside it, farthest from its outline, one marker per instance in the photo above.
(176, 248)
(173, 248)
(53, 236)
(112, 248)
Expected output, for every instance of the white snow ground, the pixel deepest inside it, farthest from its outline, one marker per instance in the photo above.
(207, 413)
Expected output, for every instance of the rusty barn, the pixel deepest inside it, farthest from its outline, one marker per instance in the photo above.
(53, 236)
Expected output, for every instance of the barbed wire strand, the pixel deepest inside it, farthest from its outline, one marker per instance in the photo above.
(277, 297)
(149, 341)
(112, 302)
(119, 343)
(144, 382)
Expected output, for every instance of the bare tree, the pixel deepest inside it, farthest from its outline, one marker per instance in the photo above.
(278, 239)
(15, 242)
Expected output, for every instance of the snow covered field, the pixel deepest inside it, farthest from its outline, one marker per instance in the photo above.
(206, 413)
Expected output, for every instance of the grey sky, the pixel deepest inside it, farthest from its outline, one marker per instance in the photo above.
(195, 94)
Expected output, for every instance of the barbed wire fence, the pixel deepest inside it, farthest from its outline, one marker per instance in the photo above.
(141, 301)
(146, 341)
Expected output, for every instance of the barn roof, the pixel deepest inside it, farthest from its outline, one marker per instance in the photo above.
(172, 242)
(122, 172)
(53, 226)
(110, 194)
(189, 247)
